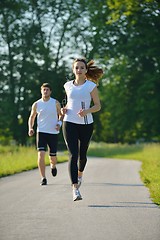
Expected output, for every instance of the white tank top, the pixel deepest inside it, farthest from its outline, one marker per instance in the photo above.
(47, 117)
(78, 97)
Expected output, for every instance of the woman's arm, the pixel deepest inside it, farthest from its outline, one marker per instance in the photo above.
(95, 108)
(97, 105)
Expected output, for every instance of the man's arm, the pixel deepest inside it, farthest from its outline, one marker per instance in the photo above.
(60, 116)
(32, 119)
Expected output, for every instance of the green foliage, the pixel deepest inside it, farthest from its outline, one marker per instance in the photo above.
(35, 40)
(38, 40)
(131, 85)
(126, 8)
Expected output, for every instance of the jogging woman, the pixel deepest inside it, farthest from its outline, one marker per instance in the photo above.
(78, 120)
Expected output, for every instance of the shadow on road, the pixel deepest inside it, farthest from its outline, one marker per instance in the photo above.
(126, 205)
(115, 184)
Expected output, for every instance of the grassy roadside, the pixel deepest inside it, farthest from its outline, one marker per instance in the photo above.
(18, 159)
(148, 154)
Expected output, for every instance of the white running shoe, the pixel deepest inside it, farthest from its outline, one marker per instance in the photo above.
(76, 194)
(79, 182)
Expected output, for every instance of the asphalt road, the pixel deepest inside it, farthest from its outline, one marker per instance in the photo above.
(115, 205)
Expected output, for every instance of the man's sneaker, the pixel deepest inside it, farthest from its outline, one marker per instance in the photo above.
(54, 171)
(76, 194)
(43, 181)
(79, 182)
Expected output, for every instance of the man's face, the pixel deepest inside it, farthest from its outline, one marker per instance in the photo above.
(46, 92)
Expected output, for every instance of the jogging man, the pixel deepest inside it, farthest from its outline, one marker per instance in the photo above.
(48, 112)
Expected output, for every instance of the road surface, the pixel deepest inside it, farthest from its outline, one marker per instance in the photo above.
(115, 205)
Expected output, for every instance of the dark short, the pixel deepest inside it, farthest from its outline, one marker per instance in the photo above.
(49, 140)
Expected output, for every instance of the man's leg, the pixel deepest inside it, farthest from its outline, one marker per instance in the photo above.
(52, 140)
(53, 161)
(41, 163)
(41, 147)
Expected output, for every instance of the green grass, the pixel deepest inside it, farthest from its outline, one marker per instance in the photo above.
(15, 159)
(18, 159)
(148, 154)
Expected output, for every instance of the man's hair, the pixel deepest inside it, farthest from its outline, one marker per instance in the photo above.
(46, 85)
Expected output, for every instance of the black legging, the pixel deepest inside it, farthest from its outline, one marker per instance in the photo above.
(77, 138)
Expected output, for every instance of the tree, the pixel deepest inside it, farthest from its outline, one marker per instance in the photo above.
(131, 54)
(39, 38)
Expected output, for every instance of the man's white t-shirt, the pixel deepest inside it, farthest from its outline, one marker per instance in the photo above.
(78, 97)
(47, 117)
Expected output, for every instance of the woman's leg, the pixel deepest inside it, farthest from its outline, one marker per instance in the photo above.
(85, 134)
(70, 134)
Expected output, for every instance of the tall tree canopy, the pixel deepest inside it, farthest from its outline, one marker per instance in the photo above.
(39, 39)
(130, 91)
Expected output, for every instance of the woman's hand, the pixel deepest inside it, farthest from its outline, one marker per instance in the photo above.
(82, 113)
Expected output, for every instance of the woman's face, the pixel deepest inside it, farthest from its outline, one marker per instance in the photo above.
(79, 69)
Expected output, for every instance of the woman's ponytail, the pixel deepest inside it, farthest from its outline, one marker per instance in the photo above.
(94, 73)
